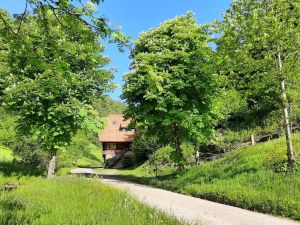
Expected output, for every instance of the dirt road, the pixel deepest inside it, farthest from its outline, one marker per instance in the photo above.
(194, 210)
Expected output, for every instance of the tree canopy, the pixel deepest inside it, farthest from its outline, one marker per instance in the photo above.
(172, 84)
(54, 73)
(259, 48)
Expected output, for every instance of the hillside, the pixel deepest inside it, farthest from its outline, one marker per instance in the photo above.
(253, 178)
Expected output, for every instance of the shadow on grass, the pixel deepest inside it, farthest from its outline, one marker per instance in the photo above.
(15, 168)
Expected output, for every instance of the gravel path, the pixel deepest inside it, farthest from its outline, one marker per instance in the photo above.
(193, 210)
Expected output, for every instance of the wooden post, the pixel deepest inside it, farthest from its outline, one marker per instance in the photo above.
(252, 140)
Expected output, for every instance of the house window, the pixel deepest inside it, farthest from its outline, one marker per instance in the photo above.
(114, 122)
(111, 146)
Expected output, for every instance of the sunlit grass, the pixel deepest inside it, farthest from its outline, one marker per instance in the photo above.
(72, 200)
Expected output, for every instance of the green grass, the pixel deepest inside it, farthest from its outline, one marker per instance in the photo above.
(95, 159)
(72, 200)
(11, 171)
(67, 200)
(251, 178)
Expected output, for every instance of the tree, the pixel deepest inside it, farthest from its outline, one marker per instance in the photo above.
(171, 87)
(106, 106)
(55, 72)
(82, 12)
(258, 41)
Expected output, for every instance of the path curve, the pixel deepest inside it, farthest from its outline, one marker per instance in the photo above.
(193, 210)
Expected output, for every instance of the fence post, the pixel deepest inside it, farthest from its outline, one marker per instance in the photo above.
(252, 139)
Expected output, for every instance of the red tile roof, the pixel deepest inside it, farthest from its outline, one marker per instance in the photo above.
(113, 132)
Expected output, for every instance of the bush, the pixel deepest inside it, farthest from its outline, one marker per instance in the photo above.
(7, 128)
(165, 158)
(30, 153)
(143, 146)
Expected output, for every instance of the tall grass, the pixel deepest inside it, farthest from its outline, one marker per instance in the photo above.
(71, 200)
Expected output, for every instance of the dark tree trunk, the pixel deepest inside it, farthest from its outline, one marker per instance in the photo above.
(288, 133)
(52, 164)
(176, 139)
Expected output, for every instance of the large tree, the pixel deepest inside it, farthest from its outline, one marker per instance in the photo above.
(170, 88)
(55, 72)
(259, 45)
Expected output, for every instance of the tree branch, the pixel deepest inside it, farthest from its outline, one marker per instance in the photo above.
(22, 18)
(6, 24)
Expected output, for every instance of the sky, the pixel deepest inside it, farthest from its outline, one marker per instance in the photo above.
(137, 16)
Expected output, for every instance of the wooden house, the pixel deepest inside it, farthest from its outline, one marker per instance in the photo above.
(116, 138)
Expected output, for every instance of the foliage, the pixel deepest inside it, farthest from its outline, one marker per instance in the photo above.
(161, 158)
(106, 106)
(12, 169)
(171, 87)
(7, 128)
(257, 169)
(144, 145)
(29, 153)
(80, 153)
(71, 200)
(79, 12)
(165, 158)
(54, 77)
(251, 37)
(5, 154)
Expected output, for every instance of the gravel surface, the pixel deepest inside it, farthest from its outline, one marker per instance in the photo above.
(190, 209)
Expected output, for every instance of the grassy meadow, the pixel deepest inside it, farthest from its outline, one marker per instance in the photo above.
(72, 200)
(66, 200)
(253, 178)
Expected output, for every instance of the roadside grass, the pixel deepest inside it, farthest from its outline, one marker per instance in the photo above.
(252, 178)
(73, 200)
(66, 200)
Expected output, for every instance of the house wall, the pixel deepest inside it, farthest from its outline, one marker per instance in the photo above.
(110, 149)
(116, 146)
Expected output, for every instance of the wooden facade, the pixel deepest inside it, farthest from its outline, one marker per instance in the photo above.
(116, 138)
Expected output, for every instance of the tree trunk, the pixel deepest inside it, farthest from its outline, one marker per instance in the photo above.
(52, 164)
(252, 140)
(176, 139)
(288, 133)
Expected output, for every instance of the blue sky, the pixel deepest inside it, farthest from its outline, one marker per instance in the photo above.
(136, 16)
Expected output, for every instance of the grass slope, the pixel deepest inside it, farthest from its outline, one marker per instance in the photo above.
(72, 200)
(250, 178)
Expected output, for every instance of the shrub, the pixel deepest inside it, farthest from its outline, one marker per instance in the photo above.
(165, 158)
(30, 153)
